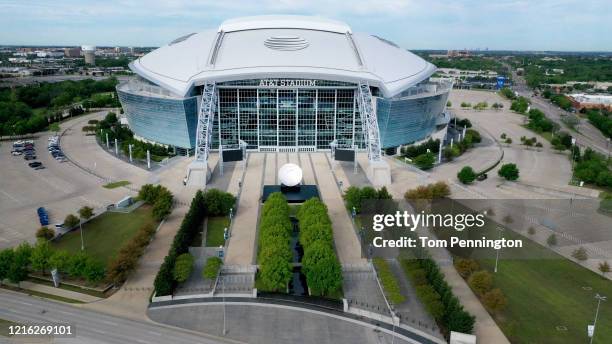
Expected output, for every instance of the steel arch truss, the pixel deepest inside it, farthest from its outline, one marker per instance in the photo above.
(369, 123)
(206, 117)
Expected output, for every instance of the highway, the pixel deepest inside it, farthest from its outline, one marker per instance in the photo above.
(92, 327)
(586, 136)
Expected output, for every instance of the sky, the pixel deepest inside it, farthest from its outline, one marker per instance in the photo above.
(565, 25)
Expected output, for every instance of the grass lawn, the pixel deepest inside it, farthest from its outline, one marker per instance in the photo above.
(116, 184)
(545, 290)
(105, 234)
(214, 230)
(4, 327)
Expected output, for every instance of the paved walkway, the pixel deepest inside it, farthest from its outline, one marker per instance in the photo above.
(347, 243)
(58, 292)
(242, 244)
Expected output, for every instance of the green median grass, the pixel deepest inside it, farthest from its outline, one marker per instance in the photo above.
(105, 234)
(215, 229)
(4, 327)
(117, 184)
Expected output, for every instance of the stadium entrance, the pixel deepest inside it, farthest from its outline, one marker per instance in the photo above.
(287, 115)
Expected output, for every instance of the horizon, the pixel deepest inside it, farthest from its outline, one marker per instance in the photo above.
(474, 25)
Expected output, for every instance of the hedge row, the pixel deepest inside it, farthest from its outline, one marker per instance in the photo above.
(389, 282)
(437, 296)
(319, 264)
(121, 266)
(275, 254)
(164, 281)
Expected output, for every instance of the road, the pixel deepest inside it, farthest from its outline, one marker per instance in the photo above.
(586, 135)
(90, 326)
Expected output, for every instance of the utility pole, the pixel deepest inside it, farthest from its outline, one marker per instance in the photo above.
(599, 299)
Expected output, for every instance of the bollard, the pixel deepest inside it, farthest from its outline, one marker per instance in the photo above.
(148, 159)
(116, 147)
(107, 145)
(130, 149)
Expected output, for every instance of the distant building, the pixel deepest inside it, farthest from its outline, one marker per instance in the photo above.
(45, 53)
(591, 101)
(72, 52)
(89, 51)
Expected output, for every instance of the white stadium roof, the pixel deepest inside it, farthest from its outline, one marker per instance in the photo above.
(282, 47)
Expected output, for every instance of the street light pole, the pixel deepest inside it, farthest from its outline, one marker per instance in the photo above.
(497, 251)
(599, 299)
(81, 230)
(223, 288)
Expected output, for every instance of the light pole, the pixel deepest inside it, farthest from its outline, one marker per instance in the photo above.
(599, 299)
(500, 229)
(81, 230)
(224, 317)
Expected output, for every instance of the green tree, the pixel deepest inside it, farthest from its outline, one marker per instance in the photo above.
(183, 267)
(6, 261)
(466, 175)
(18, 270)
(509, 172)
(41, 253)
(275, 273)
(322, 269)
(93, 271)
(162, 208)
(86, 213)
(424, 161)
(164, 280)
(59, 260)
(352, 198)
(55, 127)
(70, 221)
(481, 282)
(211, 269)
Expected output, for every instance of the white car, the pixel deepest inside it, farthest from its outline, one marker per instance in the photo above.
(16, 153)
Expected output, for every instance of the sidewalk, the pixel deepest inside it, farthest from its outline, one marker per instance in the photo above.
(41, 288)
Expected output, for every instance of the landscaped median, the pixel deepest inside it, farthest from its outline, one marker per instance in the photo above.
(319, 263)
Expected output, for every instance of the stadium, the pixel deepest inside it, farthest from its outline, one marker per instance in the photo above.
(284, 84)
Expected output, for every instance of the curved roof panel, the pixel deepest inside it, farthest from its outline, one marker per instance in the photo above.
(282, 46)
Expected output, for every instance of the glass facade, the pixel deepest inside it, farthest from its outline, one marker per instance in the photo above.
(282, 115)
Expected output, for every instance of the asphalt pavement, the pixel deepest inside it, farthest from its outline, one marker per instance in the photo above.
(90, 326)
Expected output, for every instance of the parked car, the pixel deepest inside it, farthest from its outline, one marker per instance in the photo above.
(16, 153)
(39, 167)
(30, 157)
(35, 164)
(482, 177)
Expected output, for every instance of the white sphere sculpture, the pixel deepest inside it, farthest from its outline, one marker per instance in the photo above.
(290, 175)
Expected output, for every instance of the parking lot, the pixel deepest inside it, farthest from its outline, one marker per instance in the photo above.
(59, 187)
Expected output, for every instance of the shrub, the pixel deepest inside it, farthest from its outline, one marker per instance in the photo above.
(413, 151)
(6, 260)
(39, 259)
(71, 221)
(509, 172)
(93, 271)
(59, 260)
(580, 254)
(18, 269)
(481, 282)
(531, 231)
(552, 240)
(466, 175)
(45, 233)
(509, 141)
(495, 300)
(604, 267)
(183, 267)
(211, 269)
(503, 136)
(424, 161)
(465, 267)
(474, 135)
(431, 191)
(388, 281)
